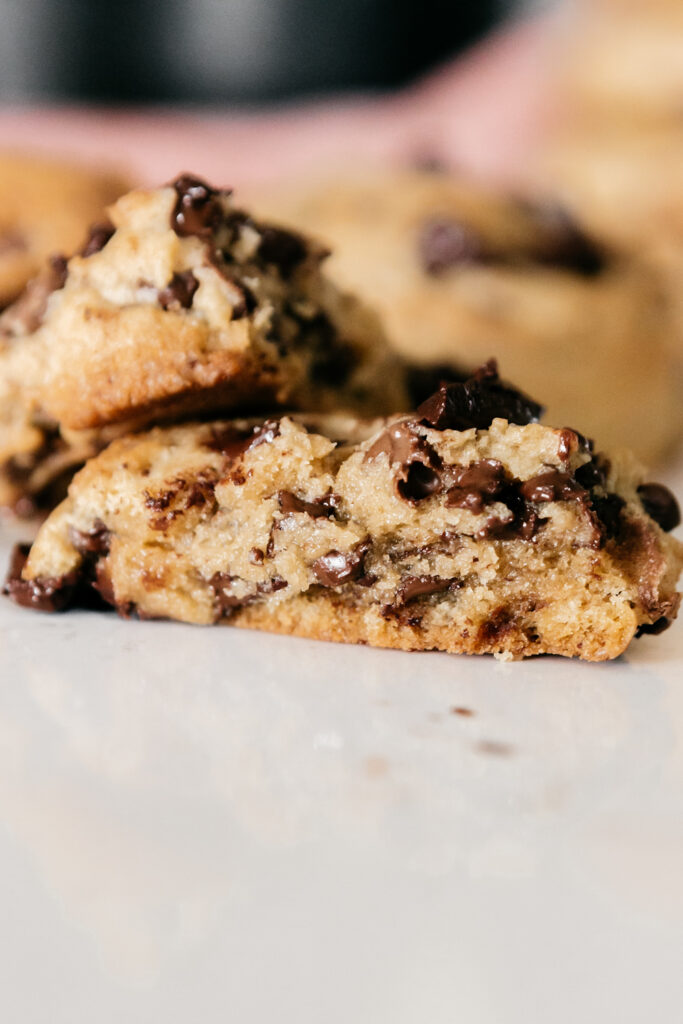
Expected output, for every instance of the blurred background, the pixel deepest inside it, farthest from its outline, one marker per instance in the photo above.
(230, 51)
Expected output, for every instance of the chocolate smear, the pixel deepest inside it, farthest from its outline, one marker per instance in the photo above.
(477, 402)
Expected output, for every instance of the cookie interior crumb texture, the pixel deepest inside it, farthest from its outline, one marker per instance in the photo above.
(464, 527)
(179, 304)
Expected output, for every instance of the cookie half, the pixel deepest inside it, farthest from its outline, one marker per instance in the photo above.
(180, 304)
(460, 272)
(466, 527)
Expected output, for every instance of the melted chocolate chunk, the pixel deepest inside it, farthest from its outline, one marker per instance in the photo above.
(285, 250)
(413, 587)
(98, 238)
(46, 594)
(477, 485)
(552, 485)
(423, 381)
(418, 463)
(570, 441)
(197, 209)
(179, 292)
(339, 567)
(660, 505)
(233, 442)
(477, 402)
(316, 509)
(443, 244)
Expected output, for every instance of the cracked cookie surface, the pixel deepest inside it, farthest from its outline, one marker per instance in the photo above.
(466, 527)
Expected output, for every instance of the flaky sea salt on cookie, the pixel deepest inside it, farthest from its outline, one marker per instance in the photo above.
(466, 527)
(181, 304)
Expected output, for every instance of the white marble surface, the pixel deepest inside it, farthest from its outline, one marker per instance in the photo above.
(205, 825)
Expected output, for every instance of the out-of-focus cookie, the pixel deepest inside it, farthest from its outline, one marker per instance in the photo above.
(182, 304)
(460, 273)
(466, 527)
(46, 207)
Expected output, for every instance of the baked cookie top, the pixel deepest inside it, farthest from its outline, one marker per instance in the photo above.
(182, 303)
(46, 206)
(460, 272)
(466, 526)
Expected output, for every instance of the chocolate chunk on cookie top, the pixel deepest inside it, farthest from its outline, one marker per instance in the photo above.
(453, 528)
(182, 303)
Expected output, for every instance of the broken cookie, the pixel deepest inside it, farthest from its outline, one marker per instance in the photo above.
(466, 527)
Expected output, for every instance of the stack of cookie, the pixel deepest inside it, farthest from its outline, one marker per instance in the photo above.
(464, 525)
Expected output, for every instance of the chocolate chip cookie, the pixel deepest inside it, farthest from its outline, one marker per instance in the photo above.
(460, 273)
(45, 207)
(180, 303)
(464, 527)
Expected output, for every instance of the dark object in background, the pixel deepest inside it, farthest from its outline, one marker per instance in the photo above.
(229, 50)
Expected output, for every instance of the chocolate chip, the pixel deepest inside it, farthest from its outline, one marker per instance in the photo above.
(98, 238)
(660, 505)
(476, 485)
(179, 292)
(197, 209)
(552, 485)
(445, 243)
(339, 567)
(95, 541)
(653, 628)
(412, 587)
(256, 556)
(290, 504)
(44, 594)
(285, 250)
(423, 381)
(477, 402)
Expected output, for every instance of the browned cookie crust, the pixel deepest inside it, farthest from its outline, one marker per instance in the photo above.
(460, 272)
(181, 304)
(46, 206)
(466, 527)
